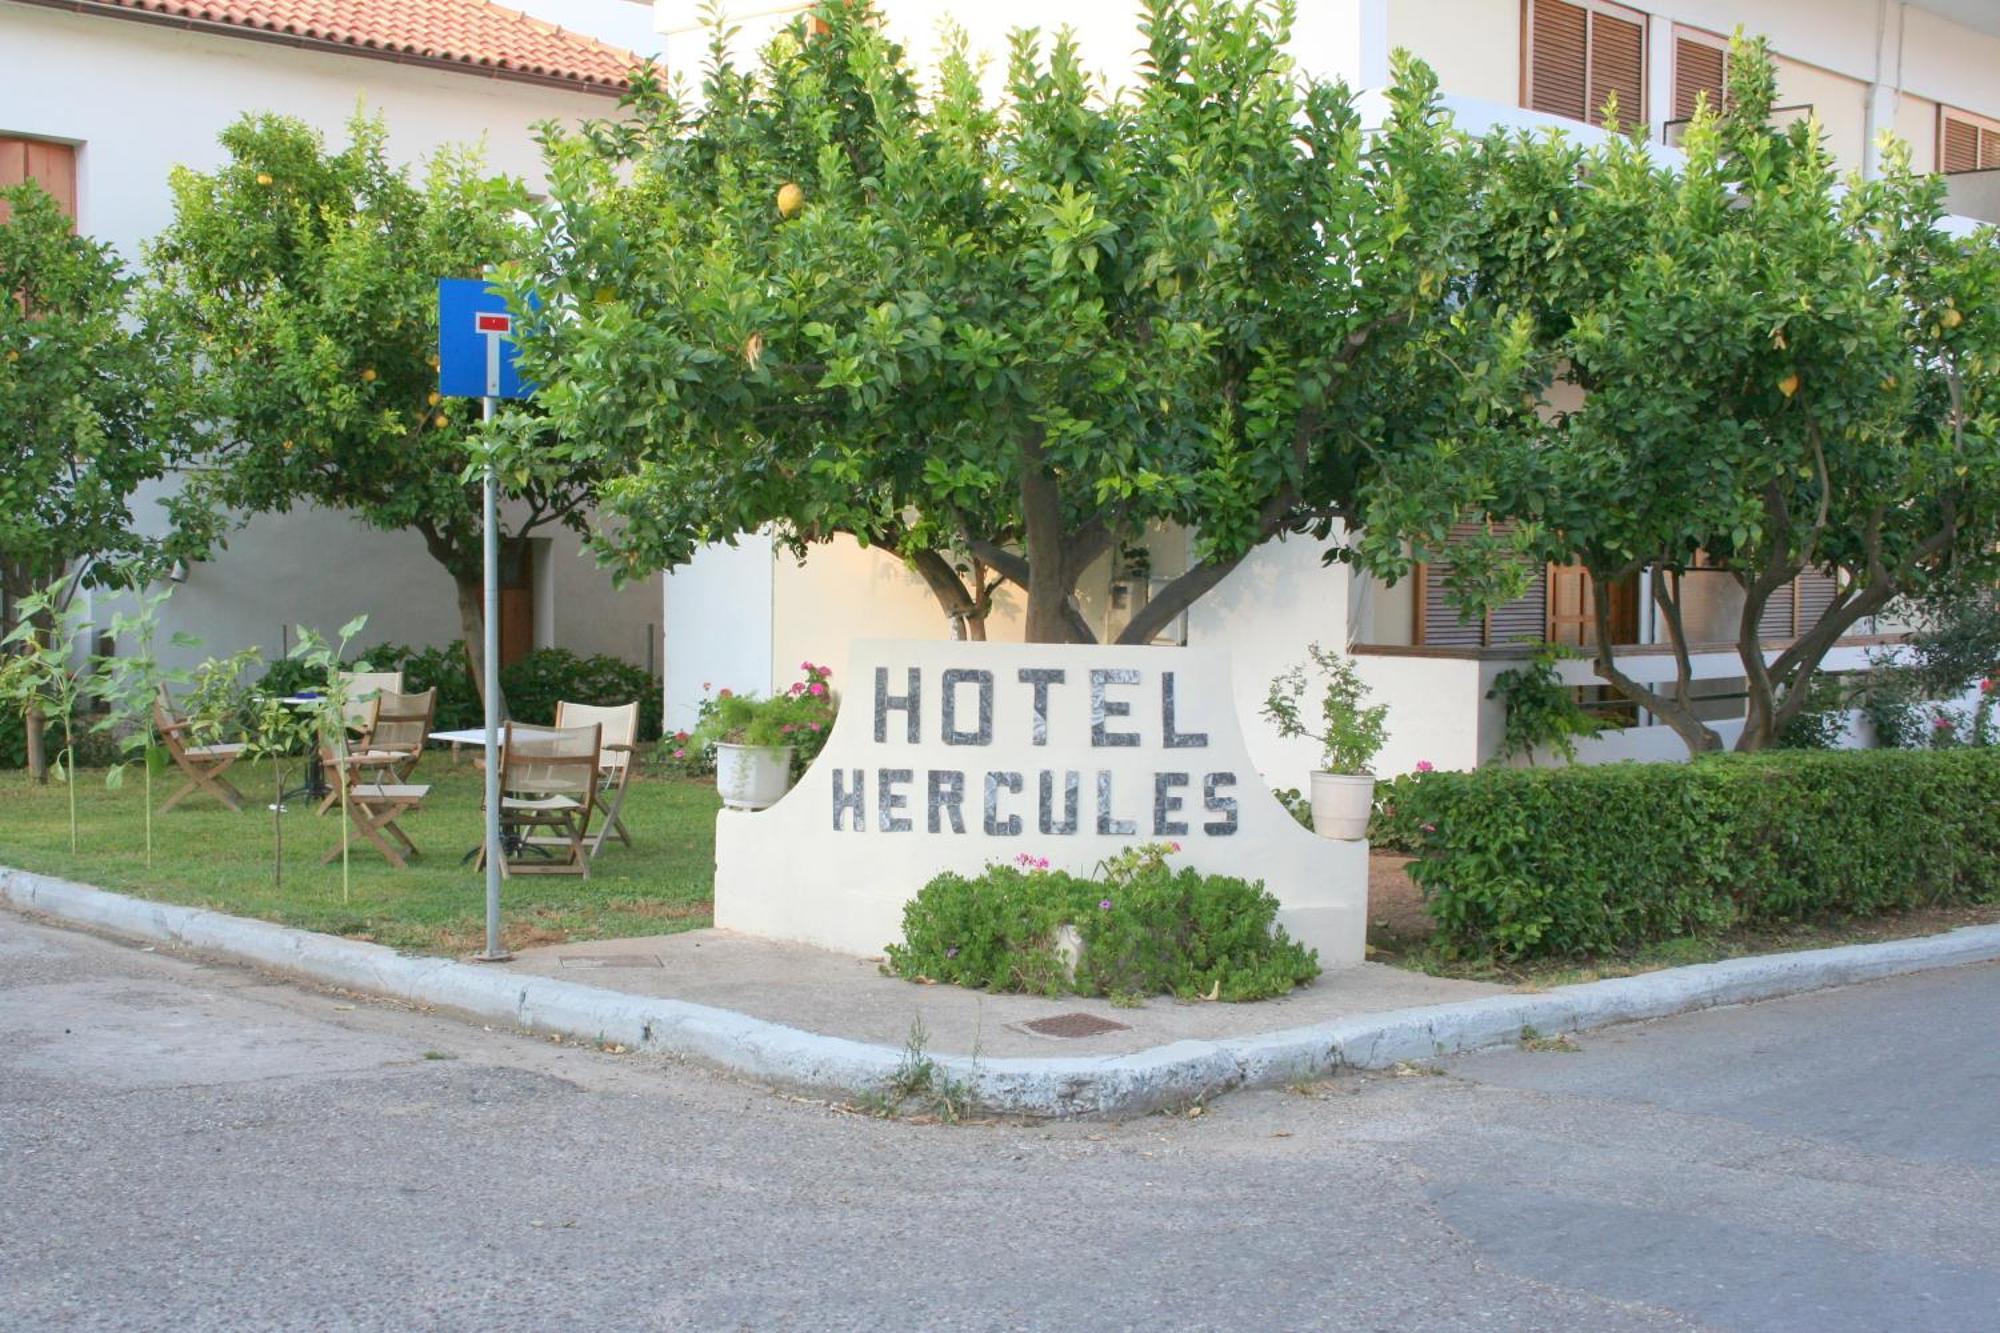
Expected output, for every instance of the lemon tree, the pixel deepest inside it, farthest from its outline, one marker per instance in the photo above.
(89, 412)
(1005, 337)
(1780, 371)
(302, 282)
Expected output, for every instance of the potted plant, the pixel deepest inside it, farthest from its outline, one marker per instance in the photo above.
(760, 744)
(1349, 735)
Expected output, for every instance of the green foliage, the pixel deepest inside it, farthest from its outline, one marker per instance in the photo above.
(802, 717)
(1780, 372)
(1822, 723)
(1542, 712)
(1029, 331)
(93, 409)
(1141, 927)
(535, 683)
(1956, 639)
(1349, 733)
(42, 671)
(444, 669)
(1522, 863)
(682, 754)
(128, 683)
(302, 282)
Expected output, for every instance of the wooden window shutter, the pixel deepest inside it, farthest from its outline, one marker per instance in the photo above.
(1780, 614)
(1967, 143)
(1812, 593)
(50, 165)
(1559, 46)
(1958, 146)
(1581, 54)
(1439, 623)
(1699, 67)
(1617, 67)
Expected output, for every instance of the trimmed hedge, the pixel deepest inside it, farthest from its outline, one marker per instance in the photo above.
(1519, 863)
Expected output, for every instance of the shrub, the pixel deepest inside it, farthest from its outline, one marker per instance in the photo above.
(1541, 712)
(535, 683)
(1142, 928)
(801, 717)
(1518, 863)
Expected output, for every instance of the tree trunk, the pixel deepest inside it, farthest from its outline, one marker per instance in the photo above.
(472, 628)
(36, 727)
(1676, 711)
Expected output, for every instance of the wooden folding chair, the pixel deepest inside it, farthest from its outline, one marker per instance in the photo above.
(203, 765)
(373, 806)
(548, 781)
(619, 725)
(393, 742)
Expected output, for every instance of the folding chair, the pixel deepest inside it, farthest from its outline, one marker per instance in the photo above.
(203, 765)
(548, 780)
(620, 730)
(373, 806)
(393, 741)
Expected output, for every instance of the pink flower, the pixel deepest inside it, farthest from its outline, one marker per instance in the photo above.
(680, 754)
(825, 673)
(705, 687)
(1988, 685)
(1103, 904)
(1425, 766)
(812, 726)
(1173, 846)
(680, 735)
(1430, 828)
(817, 688)
(1941, 722)
(798, 687)
(786, 729)
(725, 694)
(805, 666)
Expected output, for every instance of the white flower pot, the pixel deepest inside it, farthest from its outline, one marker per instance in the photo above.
(751, 777)
(1341, 803)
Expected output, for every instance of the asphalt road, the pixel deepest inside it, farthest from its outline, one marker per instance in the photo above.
(188, 1147)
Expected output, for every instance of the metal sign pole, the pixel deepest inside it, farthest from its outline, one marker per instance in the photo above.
(496, 952)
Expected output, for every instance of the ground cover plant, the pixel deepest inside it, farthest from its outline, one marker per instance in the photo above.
(206, 856)
(1141, 927)
(1576, 862)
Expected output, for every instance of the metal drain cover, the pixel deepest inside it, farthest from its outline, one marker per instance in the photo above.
(611, 960)
(1074, 1025)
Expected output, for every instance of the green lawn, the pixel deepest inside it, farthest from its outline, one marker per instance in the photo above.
(205, 856)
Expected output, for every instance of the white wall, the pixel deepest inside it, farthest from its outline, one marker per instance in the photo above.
(140, 99)
(717, 618)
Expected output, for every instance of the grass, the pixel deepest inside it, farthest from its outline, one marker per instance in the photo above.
(206, 856)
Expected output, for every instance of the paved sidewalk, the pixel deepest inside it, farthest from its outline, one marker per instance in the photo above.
(836, 995)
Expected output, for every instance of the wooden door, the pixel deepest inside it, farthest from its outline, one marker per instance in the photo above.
(1573, 610)
(517, 601)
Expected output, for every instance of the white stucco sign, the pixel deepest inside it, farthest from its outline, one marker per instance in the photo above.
(948, 756)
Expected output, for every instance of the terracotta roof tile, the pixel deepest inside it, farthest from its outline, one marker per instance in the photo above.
(471, 34)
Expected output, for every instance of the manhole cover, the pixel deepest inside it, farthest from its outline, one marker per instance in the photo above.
(1075, 1025)
(611, 960)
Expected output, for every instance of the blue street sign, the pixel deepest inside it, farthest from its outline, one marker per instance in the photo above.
(476, 342)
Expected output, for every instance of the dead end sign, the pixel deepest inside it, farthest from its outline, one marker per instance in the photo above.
(476, 348)
(952, 755)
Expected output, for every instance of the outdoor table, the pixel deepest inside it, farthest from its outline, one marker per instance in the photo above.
(477, 736)
(315, 784)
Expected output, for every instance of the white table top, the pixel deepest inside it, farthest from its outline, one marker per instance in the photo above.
(477, 735)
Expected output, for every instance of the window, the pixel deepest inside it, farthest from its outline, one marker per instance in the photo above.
(1582, 53)
(1967, 142)
(1701, 65)
(1440, 623)
(50, 165)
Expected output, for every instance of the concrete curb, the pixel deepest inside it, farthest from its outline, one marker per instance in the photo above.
(1121, 1085)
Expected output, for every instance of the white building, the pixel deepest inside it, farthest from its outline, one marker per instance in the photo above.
(1927, 70)
(101, 98)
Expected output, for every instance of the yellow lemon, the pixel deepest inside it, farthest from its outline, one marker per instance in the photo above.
(790, 199)
(368, 375)
(443, 420)
(434, 398)
(1951, 318)
(1789, 385)
(263, 178)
